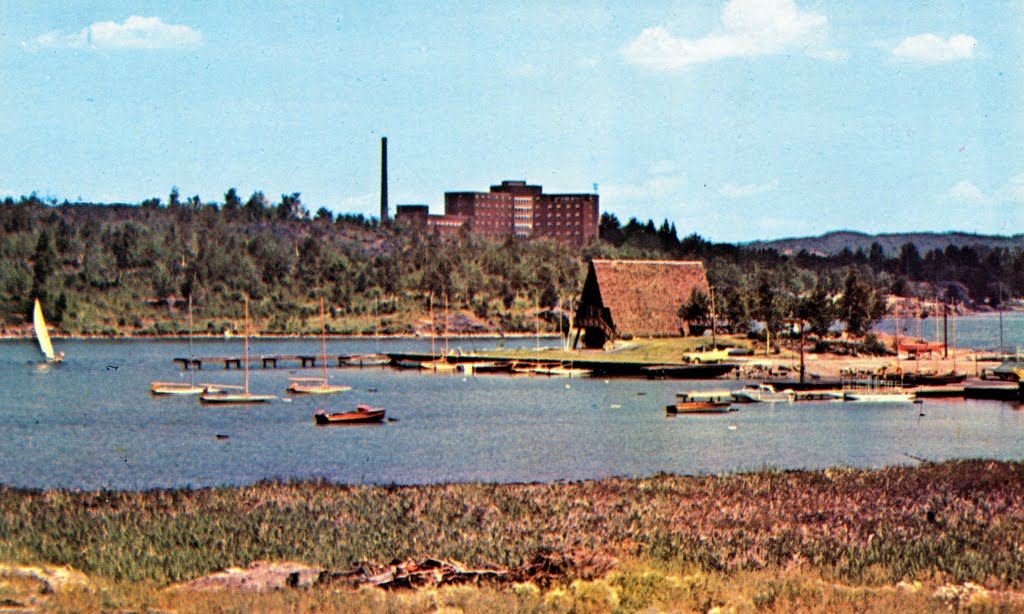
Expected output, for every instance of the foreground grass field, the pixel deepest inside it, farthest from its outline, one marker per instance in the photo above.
(922, 538)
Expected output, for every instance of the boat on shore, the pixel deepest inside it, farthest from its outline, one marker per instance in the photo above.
(714, 402)
(363, 414)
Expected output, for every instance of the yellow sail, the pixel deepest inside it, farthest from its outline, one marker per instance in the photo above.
(42, 335)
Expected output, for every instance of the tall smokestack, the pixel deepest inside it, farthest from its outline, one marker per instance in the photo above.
(384, 179)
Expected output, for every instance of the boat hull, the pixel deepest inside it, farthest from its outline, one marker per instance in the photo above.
(362, 415)
(227, 398)
(698, 407)
(175, 388)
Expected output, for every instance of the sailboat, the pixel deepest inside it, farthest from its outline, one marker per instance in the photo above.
(222, 395)
(182, 388)
(317, 385)
(439, 363)
(43, 335)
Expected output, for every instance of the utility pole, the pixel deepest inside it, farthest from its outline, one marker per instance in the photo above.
(714, 342)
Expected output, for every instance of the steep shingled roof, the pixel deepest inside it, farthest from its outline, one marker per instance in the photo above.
(644, 296)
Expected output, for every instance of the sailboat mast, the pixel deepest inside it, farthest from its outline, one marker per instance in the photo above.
(323, 338)
(191, 351)
(433, 327)
(247, 346)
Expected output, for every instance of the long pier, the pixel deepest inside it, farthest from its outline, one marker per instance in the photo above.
(307, 361)
(601, 368)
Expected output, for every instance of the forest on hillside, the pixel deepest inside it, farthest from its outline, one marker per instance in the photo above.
(127, 270)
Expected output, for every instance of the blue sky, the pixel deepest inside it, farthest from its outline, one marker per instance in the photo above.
(740, 120)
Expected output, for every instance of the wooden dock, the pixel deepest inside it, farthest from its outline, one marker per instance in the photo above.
(268, 362)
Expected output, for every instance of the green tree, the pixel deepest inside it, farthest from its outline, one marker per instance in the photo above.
(860, 306)
(696, 312)
(818, 311)
(43, 263)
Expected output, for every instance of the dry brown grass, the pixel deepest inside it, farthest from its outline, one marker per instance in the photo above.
(775, 540)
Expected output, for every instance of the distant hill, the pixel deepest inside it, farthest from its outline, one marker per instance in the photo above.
(834, 242)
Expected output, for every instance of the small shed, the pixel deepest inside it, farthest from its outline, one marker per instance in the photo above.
(639, 298)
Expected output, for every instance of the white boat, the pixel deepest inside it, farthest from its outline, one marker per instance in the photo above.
(561, 370)
(219, 394)
(761, 393)
(43, 335)
(879, 394)
(317, 385)
(181, 388)
(815, 395)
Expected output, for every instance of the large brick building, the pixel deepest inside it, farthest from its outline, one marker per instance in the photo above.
(512, 208)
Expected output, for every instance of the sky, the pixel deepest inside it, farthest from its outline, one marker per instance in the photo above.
(738, 120)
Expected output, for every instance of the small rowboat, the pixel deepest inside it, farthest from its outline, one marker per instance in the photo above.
(362, 415)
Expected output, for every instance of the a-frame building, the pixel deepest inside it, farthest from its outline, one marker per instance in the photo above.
(639, 298)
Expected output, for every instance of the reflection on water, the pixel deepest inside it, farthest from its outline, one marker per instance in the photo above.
(91, 423)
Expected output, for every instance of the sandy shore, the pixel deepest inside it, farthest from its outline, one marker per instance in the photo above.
(964, 362)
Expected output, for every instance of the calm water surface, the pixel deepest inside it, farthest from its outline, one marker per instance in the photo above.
(91, 423)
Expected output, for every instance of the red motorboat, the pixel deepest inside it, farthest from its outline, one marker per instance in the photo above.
(362, 414)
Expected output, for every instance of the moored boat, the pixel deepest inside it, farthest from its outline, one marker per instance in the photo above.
(879, 395)
(714, 402)
(363, 414)
(815, 395)
(317, 385)
(221, 394)
(761, 393)
(500, 366)
(179, 388)
(367, 360)
(313, 385)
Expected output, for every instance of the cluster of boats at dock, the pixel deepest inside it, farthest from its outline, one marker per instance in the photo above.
(871, 391)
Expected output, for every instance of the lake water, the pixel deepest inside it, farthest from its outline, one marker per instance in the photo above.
(91, 423)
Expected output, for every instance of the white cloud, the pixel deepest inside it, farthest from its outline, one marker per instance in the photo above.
(966, 191)
(665, 181)
(363, 202)
(1014, 189)
(528, 70)
(933, 49)
(744, 191)
(749, 28)
(134, 33)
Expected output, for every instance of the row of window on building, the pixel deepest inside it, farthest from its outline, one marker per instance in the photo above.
(514, 207)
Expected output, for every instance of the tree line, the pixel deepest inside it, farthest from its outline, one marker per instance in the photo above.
(124, 269)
